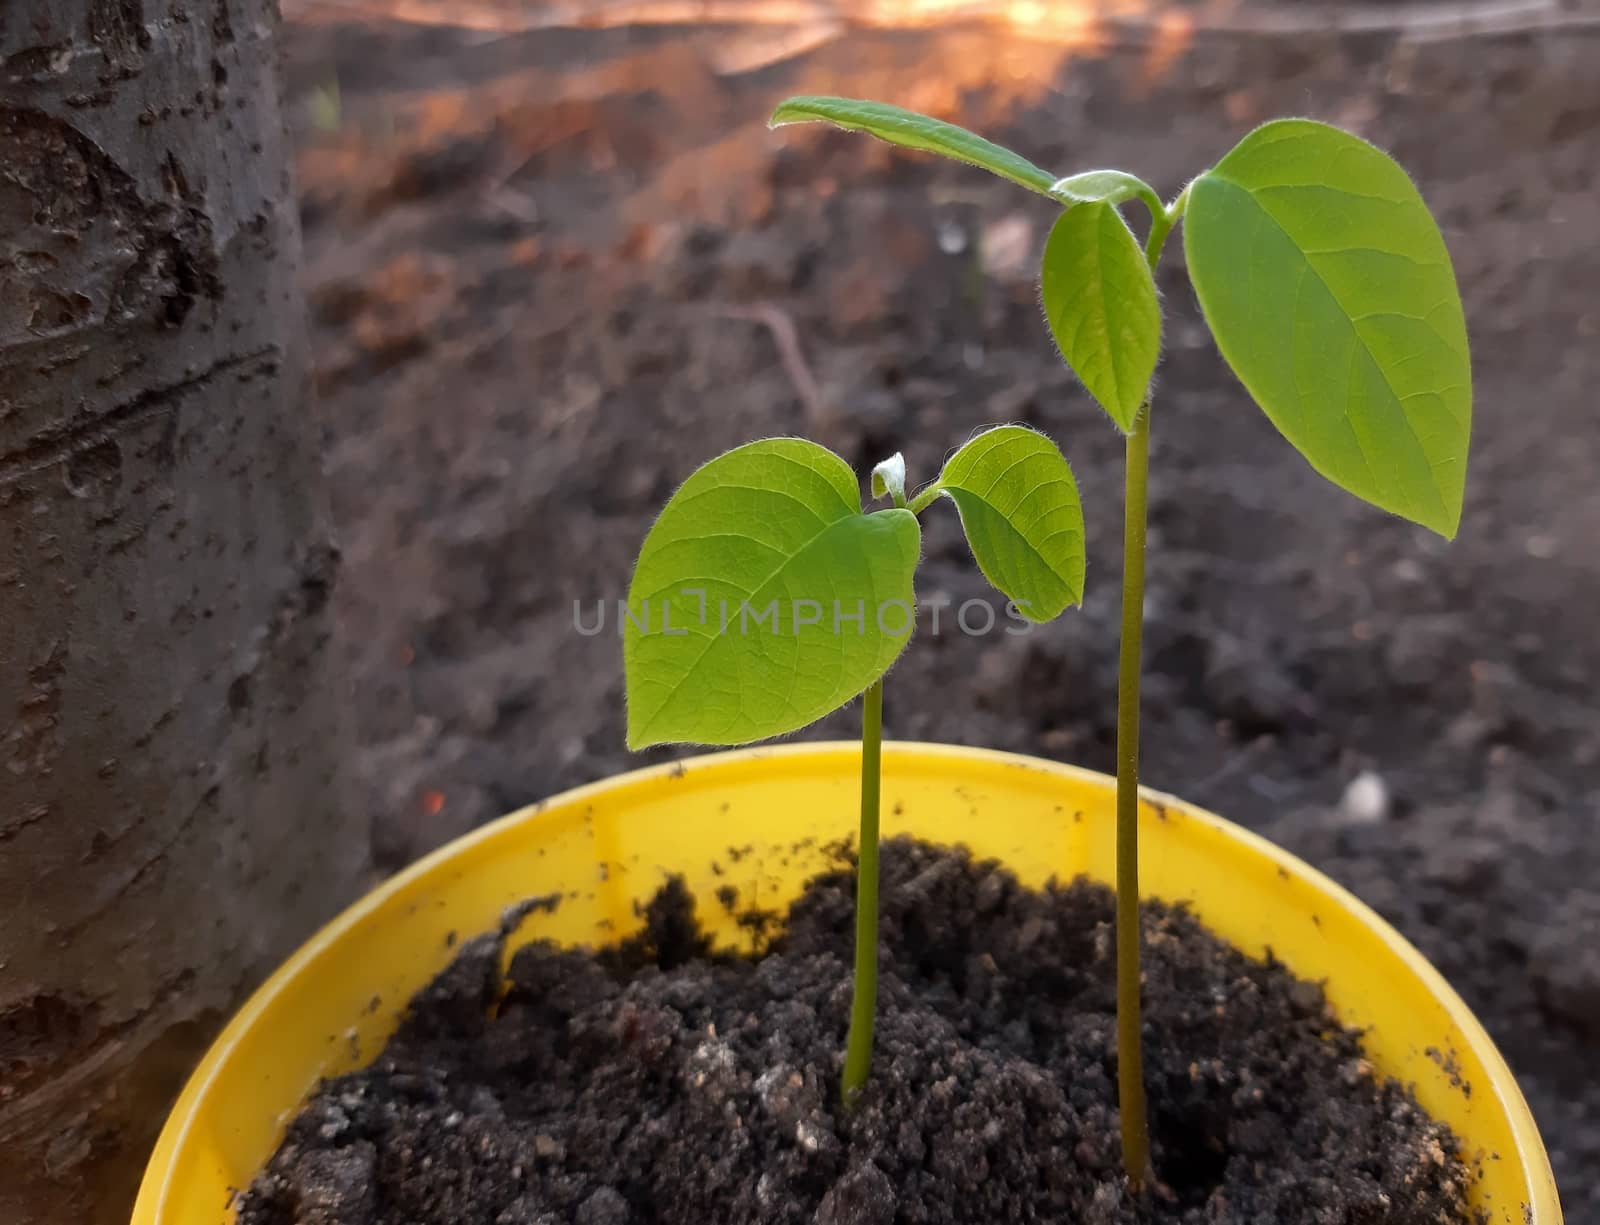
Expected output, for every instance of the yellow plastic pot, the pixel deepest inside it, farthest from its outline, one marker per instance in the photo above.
(609, 845)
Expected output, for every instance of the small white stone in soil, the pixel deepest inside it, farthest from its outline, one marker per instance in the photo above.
(1542, 547)
(1408, 571)
(1366, 799)
(779, 1089)
(336, 1126)
(711, 1058)
(770, 1079)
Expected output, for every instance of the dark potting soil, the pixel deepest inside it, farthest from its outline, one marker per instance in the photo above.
(657, 1083)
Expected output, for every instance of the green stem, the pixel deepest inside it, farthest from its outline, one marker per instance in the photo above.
(925, 498)
(1161, 223)
(1160, 227)
(1130, 1055)
(1130, 1047)
(864, 1003)
(1178, 207)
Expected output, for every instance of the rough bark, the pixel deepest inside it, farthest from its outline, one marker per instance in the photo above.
(169, 817)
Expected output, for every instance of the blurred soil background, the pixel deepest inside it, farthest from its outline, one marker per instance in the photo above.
(556, 260)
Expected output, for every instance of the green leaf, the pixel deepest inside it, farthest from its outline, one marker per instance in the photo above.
(1109, 186)
(913, 131)
(1019, 507)
(1329, 290)
(1100, 303)
(763, 598)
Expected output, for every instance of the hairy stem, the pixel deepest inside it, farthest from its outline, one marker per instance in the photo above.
(864, 1003)
(1160, 226)
(1130, 1055)
(925, 497)
(1130, 1047)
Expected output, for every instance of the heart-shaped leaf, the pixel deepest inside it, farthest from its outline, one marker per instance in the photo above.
(1330, 292)
(763, 598)
(1019, 507)
(910, 130)
(1100, 302)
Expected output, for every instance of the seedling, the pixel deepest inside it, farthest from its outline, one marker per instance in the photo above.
(765, 597)
(1329, 291)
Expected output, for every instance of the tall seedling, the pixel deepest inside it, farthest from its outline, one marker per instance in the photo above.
(1329, 291)
(765, 597)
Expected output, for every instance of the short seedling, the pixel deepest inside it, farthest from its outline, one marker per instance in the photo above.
(765, 597)
(1329, 291)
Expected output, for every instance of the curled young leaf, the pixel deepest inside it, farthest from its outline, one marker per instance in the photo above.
(764, 598)
(1329, 290)
(1109, 186)
(1100, 302)
(889, 479)
(1019, 508)
(910, 130)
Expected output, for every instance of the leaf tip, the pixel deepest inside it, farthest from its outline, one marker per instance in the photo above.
(1443, 521)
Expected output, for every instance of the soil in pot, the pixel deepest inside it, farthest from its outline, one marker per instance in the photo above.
(657, 1082)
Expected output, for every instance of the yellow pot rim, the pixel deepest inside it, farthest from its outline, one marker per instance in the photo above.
(165, 1168)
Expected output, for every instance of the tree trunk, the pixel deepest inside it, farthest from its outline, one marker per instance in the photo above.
(169, 818)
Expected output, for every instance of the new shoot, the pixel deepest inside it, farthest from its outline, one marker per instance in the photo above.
(1329, 292)
(765, 597)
